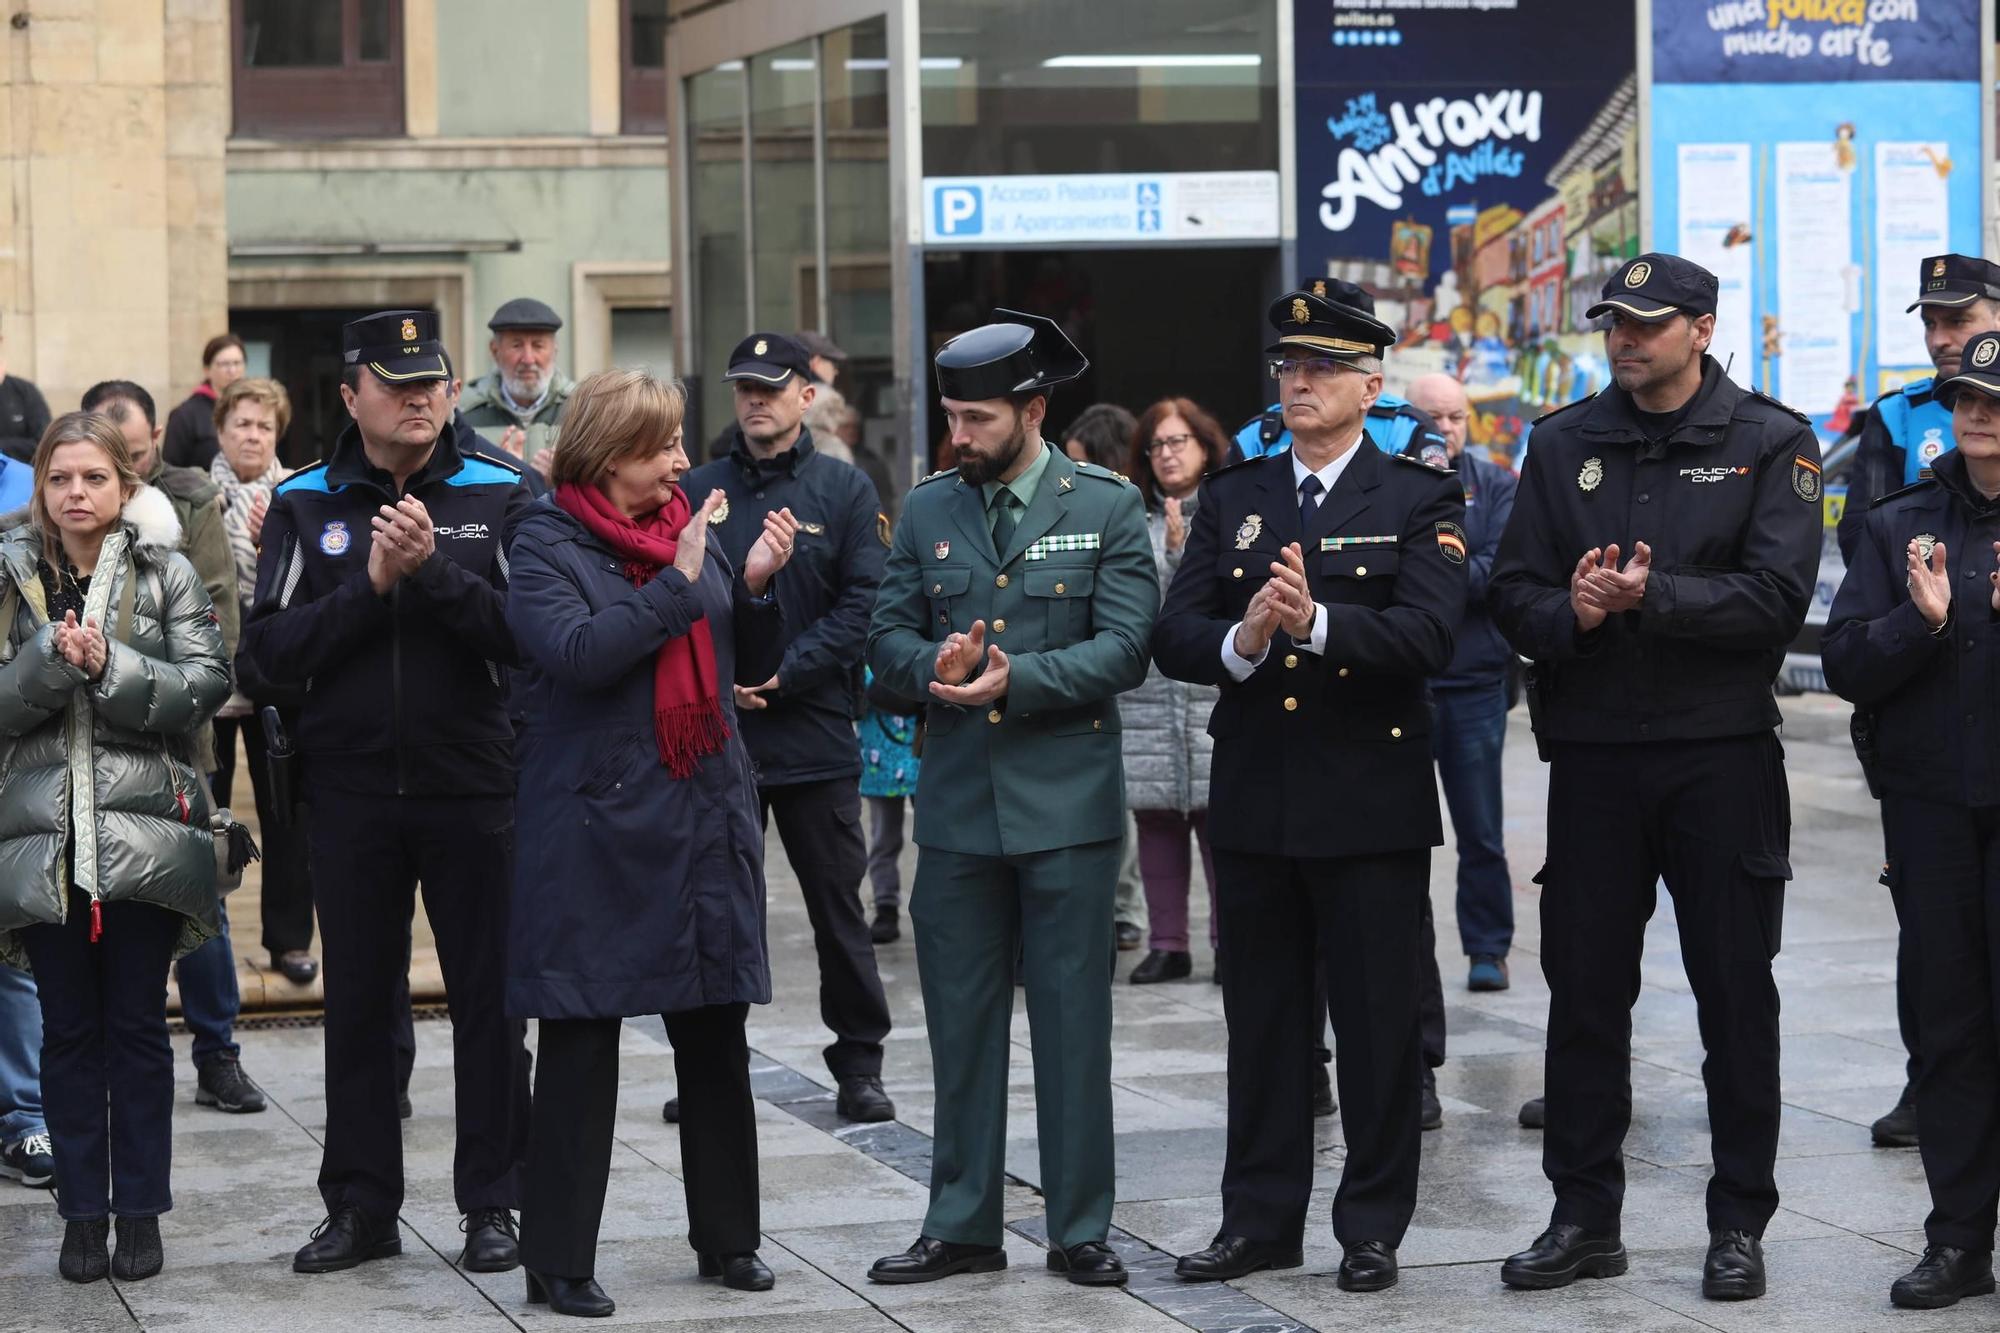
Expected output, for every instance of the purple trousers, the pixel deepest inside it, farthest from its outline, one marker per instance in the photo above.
(1167, 869)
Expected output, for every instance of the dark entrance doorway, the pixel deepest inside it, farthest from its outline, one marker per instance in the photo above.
(1154, 323)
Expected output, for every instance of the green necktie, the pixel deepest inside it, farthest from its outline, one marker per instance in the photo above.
(1003, 520)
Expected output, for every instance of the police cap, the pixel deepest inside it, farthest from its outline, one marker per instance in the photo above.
(524, 312)
(1330, 324)
(768, 358)
(400, 346)
(1978, 368)
(1955, 280)
(1656, 287)
(1017, 353)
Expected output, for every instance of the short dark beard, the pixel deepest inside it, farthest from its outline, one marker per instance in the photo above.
(976, 470)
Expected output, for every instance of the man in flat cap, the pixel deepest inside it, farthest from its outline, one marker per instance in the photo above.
(1017, 601)
(1660, 559)
(519, 403)
(382, 584)
(1318, 589)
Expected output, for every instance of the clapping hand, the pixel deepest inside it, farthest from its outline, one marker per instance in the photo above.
(750, 698)
(254, 522)
(1608, 588)
(1176, 524)
(692, 548)
(403, 540)
(771, 550)
(958, 657)
(1260, 622)
(515, 441)
(82, 646)
(1296, 608)
(1930, 583)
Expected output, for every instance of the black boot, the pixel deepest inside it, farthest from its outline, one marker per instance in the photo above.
(220, 1082)
(84, 1256)
(1898, 1129)
(1323, 1103)
(579, 1296)
(1945, 1275)
(862, 1100)
(744, 1272)
(139, 1254)
(492, 1244)
(1162, 965)
(887, 927)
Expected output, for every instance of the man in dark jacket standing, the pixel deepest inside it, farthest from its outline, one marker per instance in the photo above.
(799, 724)
(383, 582)
(1652, 701)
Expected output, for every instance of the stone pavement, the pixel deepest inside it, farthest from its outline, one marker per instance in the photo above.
(835, 1197)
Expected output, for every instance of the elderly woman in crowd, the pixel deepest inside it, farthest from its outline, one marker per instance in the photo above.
(250, 418)
(1173, 446)
(111, 656)
(191, 427)
(640, 886)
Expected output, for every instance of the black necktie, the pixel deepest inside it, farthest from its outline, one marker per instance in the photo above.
(1309, 490)
(1003, 521)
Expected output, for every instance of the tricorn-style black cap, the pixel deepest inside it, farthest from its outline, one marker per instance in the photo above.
(1655, 287)
(524, 312)
(1017, 353)
(400, 346)
(1330, 324)
(1953, 280)
(1978, 368)
(768, 358)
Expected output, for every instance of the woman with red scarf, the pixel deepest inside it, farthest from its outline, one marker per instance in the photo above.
(640, 877)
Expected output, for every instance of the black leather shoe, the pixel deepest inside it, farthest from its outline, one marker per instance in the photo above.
(671, 1112)
(1368, 1265)
(1431, 1110)
(928, 1260)
(1162, 965)
(580, 1296)
(1897, 1129)
(1534, 1113)
(1945, 1275)
(1231, 1257)
(347, 1239)
(862, 1099)
(1735, 1267)
(492, 1245)
(1130, 937)
(1089, 1264)
(744, 1272)
(1323, 1104)
(85, 1257)
(1561, 1255)
(298, 966)
(139, 1254)
(887, 927)
(403, 1108)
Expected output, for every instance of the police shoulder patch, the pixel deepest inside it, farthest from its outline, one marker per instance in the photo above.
(1558, 411)
(1451, 541)
(1806, 479)
(1786, 408)
(1435, 473)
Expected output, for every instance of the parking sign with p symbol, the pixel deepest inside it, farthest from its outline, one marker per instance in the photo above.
(956, 210)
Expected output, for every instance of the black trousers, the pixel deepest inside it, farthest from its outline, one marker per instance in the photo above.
(368, 854)
(1430, 1004)
(1949, 867)
(1909, 972)
(576, 1104)
(1279, 917)
(1712, 818)
(820, 825)
(287, 881)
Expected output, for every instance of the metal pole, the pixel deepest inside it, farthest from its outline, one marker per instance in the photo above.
(821, 319)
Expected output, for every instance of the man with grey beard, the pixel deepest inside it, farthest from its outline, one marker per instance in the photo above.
(519, 403)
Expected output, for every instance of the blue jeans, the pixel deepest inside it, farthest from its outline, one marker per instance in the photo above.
(20, 1057)
(1469, 729)
(210, 998)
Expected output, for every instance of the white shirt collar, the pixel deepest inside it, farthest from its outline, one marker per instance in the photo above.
(1329, 474)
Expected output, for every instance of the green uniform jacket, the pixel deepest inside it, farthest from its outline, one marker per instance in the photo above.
(1071, 602)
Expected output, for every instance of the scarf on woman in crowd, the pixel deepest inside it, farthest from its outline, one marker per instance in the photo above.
(238, 497)
(687, 708)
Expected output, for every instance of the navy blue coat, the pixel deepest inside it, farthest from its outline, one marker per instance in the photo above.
(1480, 655)
(635, 892)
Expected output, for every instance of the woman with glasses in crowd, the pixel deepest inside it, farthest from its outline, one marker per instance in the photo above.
(111, 656)
(640, 881)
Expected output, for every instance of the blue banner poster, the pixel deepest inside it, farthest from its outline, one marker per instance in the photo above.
(1476, 168)
(1814, 154)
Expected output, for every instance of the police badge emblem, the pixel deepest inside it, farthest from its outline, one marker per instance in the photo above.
(761, 348)
(1937, 269)
(1301, 313)
(941, 550)
(1319, 289)
(334, 539)
(1638, 274)
(1926, 543)
(1984, 354)
(409, 330)
(721, 514)
(1592, 475)
(1247, 532)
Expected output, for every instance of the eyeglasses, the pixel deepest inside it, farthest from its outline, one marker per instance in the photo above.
(1165, 443)
(1317, 367)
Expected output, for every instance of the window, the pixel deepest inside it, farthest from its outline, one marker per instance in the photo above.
(644, 98)
(318, 69)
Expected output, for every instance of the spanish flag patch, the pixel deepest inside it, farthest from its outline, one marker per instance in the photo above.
(1451, 541)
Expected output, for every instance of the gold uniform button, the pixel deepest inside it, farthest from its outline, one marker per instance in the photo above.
(1343, 673)
(1396, 733)
(936, 588)
(1291, 705)
(1059, 590)
(1291, 659)
(993, 715)
(1236, 573)
(1361, 571)
(999, 627)
(1097, 724)
(1000, 582)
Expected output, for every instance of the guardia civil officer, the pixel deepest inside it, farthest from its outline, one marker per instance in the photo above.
(1318, 588)
(382, 582)
(799, 724)
(1905, 434)
(1912, 640)
(1661, 556)
(1018, 598)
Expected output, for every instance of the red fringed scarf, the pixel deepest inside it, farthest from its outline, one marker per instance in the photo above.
(687, 709)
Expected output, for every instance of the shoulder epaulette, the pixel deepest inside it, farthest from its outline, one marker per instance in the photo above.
(941, 472)
(1102, 473)
(1786, 408)
(508, 463)
(1558, 411)
(1916, 485)
(1442, 473)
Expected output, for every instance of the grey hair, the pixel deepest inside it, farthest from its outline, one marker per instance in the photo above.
(1367, 365)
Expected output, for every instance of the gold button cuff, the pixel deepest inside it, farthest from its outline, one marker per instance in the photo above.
(1291, 705)
(1000, 582)
(993, 715)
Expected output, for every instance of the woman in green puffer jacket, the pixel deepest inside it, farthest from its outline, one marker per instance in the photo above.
(111, 655)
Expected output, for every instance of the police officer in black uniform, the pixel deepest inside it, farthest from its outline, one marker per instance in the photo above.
(1661, 556)
(1912, 641)
(799, 725)
(382, 583)
(1318, 589)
